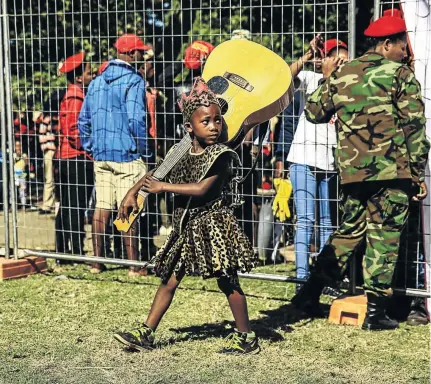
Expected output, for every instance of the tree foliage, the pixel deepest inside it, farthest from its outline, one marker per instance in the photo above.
(44, 33)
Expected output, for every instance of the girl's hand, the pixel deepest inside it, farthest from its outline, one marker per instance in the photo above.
(152, 186)
(129, 204)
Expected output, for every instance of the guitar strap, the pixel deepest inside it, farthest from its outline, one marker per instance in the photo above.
(262, 134)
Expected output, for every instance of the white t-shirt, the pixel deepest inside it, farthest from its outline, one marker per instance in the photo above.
(312, 144)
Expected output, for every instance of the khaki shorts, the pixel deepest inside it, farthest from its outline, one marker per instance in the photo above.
(113, 181)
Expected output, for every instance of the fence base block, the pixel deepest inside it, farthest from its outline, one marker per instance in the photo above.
(349, 310)
(13, 269)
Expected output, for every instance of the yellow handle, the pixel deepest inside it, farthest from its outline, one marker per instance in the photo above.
(124, 226)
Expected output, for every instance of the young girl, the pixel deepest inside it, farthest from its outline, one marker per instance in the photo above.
(206, 239)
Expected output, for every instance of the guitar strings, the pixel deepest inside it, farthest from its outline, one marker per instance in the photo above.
(183, 147)
(224, 102)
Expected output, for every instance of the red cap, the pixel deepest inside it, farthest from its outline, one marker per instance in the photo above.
(196, 52)
(389, 24)
(329, 45)
(102, 67)
(130, 42)
(71, 62)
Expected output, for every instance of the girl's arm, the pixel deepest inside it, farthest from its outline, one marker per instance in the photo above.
(150, 185)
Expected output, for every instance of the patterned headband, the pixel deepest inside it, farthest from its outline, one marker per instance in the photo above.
(200, 95)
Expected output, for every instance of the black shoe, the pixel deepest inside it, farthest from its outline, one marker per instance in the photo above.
(308, 295)
(237, 343)
(376, 318)
(140, 339)
(418, 314)
(333, 292)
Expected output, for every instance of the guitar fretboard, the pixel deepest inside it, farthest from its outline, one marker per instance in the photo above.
(169, 162)
(171, 159)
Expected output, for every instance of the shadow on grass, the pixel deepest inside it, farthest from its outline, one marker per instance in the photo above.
(266, 327)
(124, 280)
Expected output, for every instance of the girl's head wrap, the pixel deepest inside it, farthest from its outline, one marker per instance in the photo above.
(200, 95)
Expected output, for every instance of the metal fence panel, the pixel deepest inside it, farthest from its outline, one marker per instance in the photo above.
(43, 34)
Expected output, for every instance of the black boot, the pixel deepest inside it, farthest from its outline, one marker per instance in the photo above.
(418, 314)
(307, 296)
(376, 318)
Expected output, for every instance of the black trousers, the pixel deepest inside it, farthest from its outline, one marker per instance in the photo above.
(76, 180)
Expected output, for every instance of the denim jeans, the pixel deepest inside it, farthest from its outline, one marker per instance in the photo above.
(307, 183)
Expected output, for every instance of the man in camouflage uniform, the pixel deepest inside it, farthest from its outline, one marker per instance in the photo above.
(381, 153)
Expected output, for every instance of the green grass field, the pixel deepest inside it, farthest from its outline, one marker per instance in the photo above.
(59, 330)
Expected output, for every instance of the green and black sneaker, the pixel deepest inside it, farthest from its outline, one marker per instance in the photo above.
(140, 339)
(241, 343)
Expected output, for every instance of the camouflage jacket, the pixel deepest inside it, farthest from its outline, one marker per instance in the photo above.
(381, 121)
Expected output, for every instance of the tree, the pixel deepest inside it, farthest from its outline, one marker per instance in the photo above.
(44, 33)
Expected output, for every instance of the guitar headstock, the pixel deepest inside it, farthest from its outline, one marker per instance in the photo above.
(124, 226)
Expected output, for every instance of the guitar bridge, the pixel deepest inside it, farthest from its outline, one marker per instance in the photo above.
(239, 81)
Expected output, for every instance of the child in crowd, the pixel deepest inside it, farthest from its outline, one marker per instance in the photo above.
(20, 169)
(206, 237)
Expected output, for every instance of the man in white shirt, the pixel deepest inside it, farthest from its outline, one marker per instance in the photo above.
(312, 159)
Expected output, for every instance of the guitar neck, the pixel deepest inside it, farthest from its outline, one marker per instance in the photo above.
(172, 158)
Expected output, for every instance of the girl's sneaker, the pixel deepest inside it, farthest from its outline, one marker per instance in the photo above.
(140, 339)
(241, 343)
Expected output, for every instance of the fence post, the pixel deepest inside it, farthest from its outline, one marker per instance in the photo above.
(352, 29)
(3, 144)
(9, 124)
(352, 55)
(376, 9)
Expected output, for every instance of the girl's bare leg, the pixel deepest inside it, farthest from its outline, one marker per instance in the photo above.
(163, 300)
(237, 302)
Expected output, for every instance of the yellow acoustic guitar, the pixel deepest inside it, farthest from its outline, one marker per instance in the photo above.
(253, 85)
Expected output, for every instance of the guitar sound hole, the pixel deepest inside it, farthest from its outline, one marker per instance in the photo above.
(224, 106)
(218, 85)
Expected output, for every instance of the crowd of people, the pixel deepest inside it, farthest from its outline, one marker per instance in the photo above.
(111, 125)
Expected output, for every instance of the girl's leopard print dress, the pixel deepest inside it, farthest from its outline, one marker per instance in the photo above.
(206, 239)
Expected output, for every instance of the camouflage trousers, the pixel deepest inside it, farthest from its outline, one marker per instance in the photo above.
(374, 213)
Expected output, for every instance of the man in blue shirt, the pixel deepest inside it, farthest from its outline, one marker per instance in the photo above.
(113, 131)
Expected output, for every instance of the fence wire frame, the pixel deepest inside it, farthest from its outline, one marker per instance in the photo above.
(193, 26)
(4, 168)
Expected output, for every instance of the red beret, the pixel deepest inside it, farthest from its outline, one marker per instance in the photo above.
(71, 62)
(389, 24)
(329, 45)
(130, 42)
(195, 52)
(393, 12)
(102, 67)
